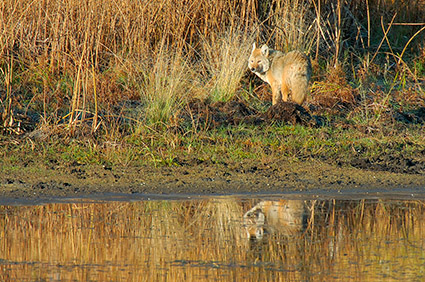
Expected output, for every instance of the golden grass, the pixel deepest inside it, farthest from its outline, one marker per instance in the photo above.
(53, 39)
(225, 62)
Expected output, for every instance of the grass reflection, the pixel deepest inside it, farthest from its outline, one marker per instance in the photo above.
(204, 239)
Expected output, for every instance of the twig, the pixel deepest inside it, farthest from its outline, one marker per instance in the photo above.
(383, 38)
(409, 24)
(408, 42)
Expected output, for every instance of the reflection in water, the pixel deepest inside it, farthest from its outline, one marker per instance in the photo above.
(285, 217)
(203, 240)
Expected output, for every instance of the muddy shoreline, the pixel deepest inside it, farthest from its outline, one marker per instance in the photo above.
(203, 179)
(367, 159)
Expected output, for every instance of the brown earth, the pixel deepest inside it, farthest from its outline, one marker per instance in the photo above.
(235, 112)
(202, 179)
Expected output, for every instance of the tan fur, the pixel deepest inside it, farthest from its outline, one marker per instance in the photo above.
(284, 217)
(287, 73)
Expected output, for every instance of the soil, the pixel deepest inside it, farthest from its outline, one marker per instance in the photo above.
(201, 179)
(192, 177)
(235, 112)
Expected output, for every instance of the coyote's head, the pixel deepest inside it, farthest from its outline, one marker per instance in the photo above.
(258, 61)
(254, 221)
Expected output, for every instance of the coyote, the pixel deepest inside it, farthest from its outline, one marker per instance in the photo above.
(285, 217)
(286, 73)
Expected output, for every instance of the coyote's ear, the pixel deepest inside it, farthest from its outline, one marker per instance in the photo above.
(265, 50)
(253, 46)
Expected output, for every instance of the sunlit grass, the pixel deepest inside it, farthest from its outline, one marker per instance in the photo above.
(225, 60)
(166, 84)
(226, 145)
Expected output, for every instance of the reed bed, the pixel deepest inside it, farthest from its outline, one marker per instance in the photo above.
(61, 60)
(198, 240)
(142, 45)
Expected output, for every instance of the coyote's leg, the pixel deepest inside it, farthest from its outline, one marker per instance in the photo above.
(285, 92)
(300, 91)
(277, 95)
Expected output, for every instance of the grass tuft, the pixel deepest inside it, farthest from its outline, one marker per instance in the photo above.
(225, 61)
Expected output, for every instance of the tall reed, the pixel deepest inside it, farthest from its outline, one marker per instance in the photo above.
(292, 24)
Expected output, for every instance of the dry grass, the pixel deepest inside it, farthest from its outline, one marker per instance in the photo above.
(52, 40)
(293, 24)
(333, 95)
(164, 86)
(225, 62)
(66, 62)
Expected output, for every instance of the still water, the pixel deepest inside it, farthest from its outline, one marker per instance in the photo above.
(214, 239)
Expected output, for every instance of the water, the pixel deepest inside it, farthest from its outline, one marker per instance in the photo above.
(272, 238)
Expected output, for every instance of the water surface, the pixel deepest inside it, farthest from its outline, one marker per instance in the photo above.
(273, 238)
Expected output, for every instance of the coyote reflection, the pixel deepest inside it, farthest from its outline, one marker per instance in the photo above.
(285, 217)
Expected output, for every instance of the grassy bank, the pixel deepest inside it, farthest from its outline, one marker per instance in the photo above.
(389, 149)
(111, 82)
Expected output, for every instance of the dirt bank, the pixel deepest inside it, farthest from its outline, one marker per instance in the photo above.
(246, 177)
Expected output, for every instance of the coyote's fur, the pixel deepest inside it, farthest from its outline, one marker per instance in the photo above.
(286, 73)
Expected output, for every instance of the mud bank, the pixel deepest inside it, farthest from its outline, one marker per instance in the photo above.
(237, 178)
